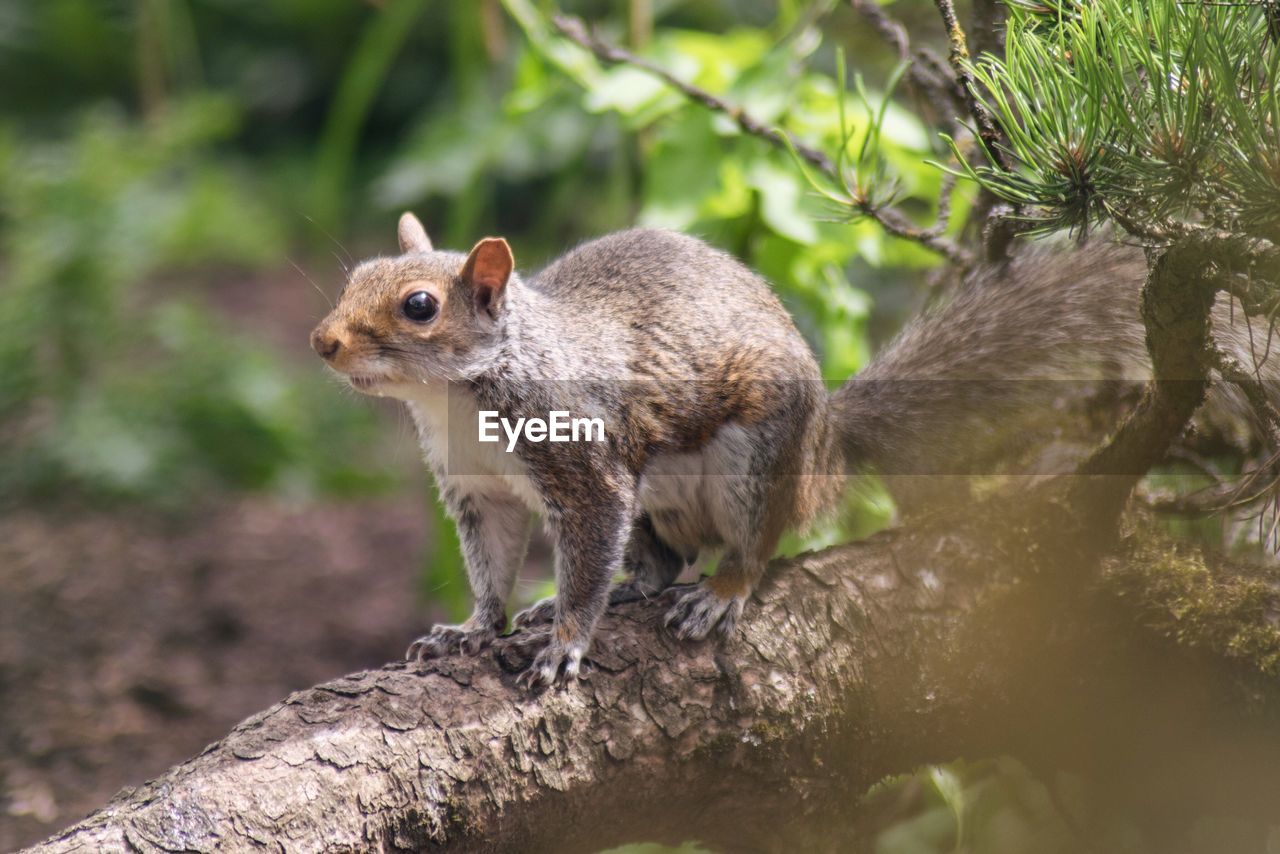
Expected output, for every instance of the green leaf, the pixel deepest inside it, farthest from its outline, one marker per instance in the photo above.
(781, 192)
(678, 178)
(633, 92)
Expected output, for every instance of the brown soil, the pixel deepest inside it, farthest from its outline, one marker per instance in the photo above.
(128, 643)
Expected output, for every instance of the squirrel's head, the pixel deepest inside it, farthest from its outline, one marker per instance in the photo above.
(421, 317)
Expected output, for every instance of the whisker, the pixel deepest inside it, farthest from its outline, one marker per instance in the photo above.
(304, 275)
(331, 237)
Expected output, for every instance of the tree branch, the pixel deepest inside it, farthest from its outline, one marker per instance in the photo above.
(984, 123)
(1184, 278)
(1176, 301)
(850, 664)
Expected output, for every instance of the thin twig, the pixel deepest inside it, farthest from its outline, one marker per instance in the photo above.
(891, 220)
(984, 122)
(898, 225)
(930, 77)
(940, 85)
(945, 191)
(1224, 494)
(575, 30)
(1232, 371)
(893, 31)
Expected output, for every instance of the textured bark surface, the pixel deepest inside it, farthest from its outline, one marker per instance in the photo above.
(853, 663)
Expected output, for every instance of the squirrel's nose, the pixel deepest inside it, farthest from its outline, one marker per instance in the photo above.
(324, 343)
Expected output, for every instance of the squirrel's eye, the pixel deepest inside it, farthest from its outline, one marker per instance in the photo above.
(420, 306)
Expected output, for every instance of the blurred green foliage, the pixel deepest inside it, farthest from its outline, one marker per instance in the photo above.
(109, 383)
(162, 148)
(995, 806)
(999, 806)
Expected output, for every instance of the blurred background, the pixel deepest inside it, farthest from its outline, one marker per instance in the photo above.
(195, 519)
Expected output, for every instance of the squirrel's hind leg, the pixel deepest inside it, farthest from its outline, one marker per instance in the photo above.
(651, 567)
(750, 499)
(717, 602)
(650, 564)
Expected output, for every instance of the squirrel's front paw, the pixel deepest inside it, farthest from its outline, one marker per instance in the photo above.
(542, 611)
(557, 664)
(542, 659)
(702, 610)
(446, 640)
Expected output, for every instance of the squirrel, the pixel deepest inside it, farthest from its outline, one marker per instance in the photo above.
(719, 430)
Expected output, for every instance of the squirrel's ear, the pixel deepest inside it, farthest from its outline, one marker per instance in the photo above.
(487, 270)
(413, 237)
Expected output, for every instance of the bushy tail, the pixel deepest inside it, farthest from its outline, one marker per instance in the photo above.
(948, 391)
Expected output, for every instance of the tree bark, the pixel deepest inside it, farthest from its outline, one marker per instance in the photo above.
(1150, 672)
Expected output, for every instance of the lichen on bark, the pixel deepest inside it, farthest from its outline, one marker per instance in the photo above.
(1228, 608)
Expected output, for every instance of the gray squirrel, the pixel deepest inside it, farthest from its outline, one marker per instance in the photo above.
(719, 432)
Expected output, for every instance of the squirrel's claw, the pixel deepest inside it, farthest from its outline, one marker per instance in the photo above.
(555, 665)
(542, 660)
(446, 640)
(701, 611)
(542, 611)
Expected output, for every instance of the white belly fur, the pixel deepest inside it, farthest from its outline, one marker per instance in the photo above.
(674, 492)
(448, 431)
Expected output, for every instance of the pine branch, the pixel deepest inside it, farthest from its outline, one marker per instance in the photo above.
(1163, 112)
